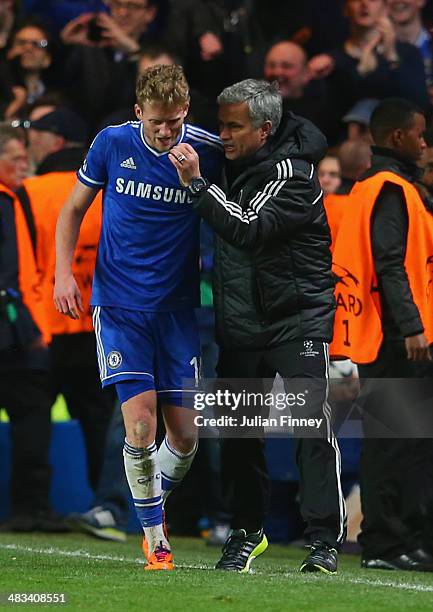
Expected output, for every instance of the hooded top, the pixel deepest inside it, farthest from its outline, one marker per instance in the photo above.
(273, 280)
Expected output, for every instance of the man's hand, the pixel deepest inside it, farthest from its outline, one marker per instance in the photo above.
(417, 348)
(388, 39)
(67, 297)
(20, 99)
(6, 22)
(113, 35)
(186, 161)
(76, 31)
(210, 46)
(321, 66)
(368, 61)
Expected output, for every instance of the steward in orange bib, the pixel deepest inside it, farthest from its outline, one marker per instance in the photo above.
(383, 261)
(24, 363)
(57, 145)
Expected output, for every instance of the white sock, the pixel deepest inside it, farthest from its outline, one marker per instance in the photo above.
(144, 479)
(174, 465)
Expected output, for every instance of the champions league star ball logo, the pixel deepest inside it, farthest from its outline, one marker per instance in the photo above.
(114, 360)
(309, 350)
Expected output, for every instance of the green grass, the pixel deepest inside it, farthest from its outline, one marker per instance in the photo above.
(97, 575)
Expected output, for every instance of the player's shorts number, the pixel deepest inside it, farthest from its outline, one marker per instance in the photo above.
(195, 362)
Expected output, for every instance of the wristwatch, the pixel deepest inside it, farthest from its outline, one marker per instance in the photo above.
(197, 185)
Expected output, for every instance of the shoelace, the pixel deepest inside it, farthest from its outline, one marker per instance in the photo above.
(233, 547)
(161, 552)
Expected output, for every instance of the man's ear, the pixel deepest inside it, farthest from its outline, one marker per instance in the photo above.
(397, 137)
(58, 142)
(137, 111)
(266, 129)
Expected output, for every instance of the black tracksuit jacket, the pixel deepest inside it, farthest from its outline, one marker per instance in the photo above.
(272, 275)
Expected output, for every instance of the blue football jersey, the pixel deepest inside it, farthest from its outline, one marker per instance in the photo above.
(149, 246)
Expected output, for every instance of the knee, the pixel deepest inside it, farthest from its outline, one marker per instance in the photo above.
(184, 444)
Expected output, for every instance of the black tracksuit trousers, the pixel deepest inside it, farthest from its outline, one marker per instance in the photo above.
(396, 472)
(244, 471)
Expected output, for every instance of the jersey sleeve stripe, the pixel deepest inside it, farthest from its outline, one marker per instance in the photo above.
(147, 374)
(85, 179)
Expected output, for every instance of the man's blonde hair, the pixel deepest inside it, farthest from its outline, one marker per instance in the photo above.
(164, 84)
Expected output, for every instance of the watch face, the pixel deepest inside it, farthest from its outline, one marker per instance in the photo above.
(197, 184)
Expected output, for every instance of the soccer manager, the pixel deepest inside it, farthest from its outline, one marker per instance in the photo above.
(274, 303)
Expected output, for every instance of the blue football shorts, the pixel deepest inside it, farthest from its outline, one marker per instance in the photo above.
(158, 350)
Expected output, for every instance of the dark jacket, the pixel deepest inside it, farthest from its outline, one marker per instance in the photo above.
(406, 80)
(18, 330)
(272, 277)
(400, 315)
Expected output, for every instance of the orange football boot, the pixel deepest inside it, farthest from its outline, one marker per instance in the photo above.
(145, 546)
(160, 559)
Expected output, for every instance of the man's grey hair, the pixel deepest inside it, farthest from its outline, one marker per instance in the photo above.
(8, 133)
(263, 99)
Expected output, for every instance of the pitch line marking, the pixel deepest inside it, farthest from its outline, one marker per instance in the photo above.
(139, 561)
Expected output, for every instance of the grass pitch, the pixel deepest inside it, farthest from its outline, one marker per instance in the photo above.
(97, 575)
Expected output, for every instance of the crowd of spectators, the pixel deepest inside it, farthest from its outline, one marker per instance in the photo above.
(326, 56)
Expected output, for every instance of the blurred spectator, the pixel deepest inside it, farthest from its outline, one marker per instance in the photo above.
(58, 12)
(152, 55)
(195, 20)
(101, 65)
(194, 34)
(426, 162)
(329, 173)
(43, 105)
(355, 159)
(28, 70)
(286, 62)
(8, 11)
(24, 381)
(406, 16)
(56, 143)
(358, 120)
(328, 26)
(372, 63)
(244, 29)
(209, 34)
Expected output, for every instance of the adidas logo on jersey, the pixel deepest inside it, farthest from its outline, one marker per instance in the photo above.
(129, 163)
